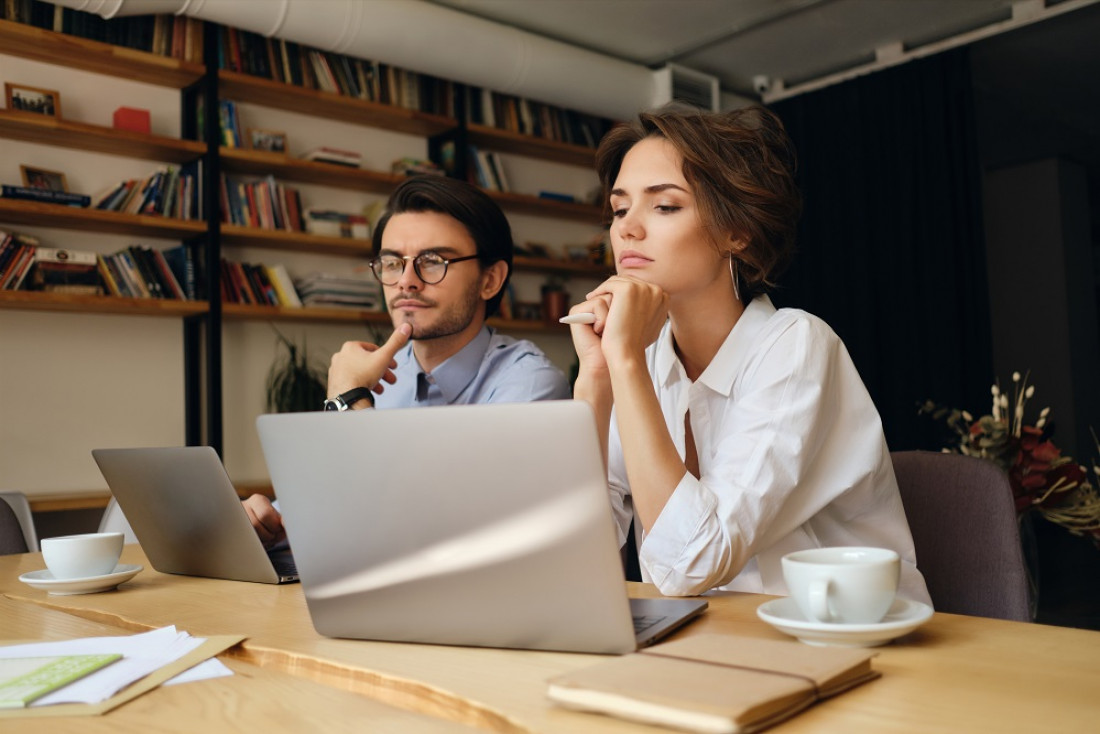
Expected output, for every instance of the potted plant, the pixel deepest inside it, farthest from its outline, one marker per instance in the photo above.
(294, 384)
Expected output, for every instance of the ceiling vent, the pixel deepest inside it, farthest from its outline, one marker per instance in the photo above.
(679, 83)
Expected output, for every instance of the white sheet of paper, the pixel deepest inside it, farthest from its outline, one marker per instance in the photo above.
(211, 668)
(142, 654)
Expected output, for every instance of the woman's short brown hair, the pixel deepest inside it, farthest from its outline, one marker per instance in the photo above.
(740, 166)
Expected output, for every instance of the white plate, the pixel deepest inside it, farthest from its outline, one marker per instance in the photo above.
(904, 617)
(88, 585)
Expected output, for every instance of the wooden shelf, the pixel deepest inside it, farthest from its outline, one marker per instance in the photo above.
(18, 39)
(38, 214)
(312, 314)
(65, 501)
(242, 312)
(526, 204)
(278, 239)
(38, 301)
(44, 130)
(97, 499)
(268, 93)
(505, 141)
(563, 267)
(281, 166)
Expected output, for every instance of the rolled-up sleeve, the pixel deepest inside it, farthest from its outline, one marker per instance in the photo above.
(763, 469)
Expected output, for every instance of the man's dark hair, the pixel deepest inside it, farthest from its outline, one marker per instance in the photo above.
(482, 218)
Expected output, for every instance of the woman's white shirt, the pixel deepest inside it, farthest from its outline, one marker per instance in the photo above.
(791, 455)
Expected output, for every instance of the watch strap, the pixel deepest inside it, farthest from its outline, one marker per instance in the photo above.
(345, 400)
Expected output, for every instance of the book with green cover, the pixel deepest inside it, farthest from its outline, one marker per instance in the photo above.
(22, 680)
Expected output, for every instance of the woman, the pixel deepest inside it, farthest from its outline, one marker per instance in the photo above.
(734, 432)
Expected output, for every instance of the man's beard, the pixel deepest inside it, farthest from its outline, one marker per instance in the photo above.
(447, 323)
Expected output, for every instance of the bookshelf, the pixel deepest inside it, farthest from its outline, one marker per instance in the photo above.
(203, 321)
(30, 128)
(66, 58)
(29, 42)
(35, 301)
(267, 93)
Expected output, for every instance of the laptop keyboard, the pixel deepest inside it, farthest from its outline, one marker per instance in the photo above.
(643, 622)
(283, 563)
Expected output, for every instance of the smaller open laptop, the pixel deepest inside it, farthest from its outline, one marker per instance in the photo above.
(187, 515)
(483, 525)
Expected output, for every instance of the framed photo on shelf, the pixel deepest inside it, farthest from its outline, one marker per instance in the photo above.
(270, 140)
(40, 178)
(32, 99)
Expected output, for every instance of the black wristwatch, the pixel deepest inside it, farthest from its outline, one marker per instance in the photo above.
(344, 401)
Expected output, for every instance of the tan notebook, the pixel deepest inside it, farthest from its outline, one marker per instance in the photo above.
(714, 683)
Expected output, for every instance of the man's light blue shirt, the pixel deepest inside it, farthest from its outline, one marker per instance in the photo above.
(492, 368)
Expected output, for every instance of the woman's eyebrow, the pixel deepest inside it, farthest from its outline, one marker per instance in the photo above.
(654, 189)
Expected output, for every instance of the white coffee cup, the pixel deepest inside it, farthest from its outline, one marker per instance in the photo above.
(82, 556)
(843, 585)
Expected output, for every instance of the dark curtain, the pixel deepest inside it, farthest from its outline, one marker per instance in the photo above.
(890, 250)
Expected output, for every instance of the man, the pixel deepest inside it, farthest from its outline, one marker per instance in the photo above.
(443, 255)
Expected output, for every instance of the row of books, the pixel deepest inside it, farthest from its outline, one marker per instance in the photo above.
(139, 271)
(293, 63)
(230, 124)
(271, 285)
(263, 203)
(254, 284)
(16, 257)
(523, 116)
(136, 271)
(169, 192)
(167, 35)
(487, 171)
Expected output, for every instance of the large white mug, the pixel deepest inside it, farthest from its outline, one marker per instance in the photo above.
(82, 556)
(843, 585)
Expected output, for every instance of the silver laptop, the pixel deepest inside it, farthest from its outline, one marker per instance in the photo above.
(187, 515)
(484, 525)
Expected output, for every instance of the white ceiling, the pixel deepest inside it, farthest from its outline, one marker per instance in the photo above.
(1042, 79)
(736, 40)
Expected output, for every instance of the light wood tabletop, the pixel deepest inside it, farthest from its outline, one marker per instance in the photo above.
(955, 673)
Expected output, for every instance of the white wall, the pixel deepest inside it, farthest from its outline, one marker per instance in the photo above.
(73, 382)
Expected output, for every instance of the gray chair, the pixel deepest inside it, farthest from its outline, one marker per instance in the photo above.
(22, 508)
(11, 532)
(965, 532)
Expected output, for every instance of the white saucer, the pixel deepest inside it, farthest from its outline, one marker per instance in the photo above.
(88, 585)
(904, 617)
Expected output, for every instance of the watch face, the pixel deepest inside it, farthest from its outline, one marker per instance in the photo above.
(331, 404)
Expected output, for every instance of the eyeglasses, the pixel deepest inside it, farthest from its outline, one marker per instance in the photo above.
(430, 267)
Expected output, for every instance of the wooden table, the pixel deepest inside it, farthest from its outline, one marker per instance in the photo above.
(955, 673)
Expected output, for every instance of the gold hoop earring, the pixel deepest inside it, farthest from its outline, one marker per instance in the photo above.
(733, 277)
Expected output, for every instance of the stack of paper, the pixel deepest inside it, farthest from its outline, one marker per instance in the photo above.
(93, 670)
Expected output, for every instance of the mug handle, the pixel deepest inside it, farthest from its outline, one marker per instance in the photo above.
(819, 600)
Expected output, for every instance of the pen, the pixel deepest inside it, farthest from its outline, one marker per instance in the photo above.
(578, 318)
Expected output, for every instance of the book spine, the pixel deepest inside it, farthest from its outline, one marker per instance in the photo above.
(53, 197)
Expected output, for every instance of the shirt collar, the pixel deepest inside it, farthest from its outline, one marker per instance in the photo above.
(723, 369)
(459, 370)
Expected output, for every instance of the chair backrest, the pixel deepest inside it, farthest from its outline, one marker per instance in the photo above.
(11, 532)
(22, 508)
(965, 532)
(113, 521)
